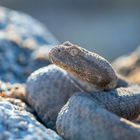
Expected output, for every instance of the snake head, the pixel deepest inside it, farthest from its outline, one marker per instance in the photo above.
(84, 64)
(65, 55)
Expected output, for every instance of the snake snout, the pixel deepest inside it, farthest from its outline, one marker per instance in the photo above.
(51, 54)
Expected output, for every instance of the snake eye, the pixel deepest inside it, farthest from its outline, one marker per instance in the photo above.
(73, 52)
(59, 50)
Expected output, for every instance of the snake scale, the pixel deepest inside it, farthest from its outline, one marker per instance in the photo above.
(106, 96)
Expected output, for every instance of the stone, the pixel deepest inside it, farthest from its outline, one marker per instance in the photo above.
(17, 123)
(129, 66)
(21, 38)
(9, 90)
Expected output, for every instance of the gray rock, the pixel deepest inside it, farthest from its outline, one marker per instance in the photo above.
(129, 66)
(17, 123)
(21, 36)
(48, 89)
(84, 118)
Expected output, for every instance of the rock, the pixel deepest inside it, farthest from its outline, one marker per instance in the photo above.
(84, 118)
(17, 91)
(48, 89)
(17, 123)
(129, 66)
(22, 39)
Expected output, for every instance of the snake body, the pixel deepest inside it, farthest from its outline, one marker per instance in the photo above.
(94, 118)
(95, 111)
(84, 118)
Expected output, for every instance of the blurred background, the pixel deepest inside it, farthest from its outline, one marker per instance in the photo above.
(111, 28)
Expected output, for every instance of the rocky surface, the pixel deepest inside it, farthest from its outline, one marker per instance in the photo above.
(48, 89)
(22, 43)
(24, 47)
(9, 90)
(129, 66)
(17, 123)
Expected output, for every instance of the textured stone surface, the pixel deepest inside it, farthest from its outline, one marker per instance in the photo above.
(17, 123)
(8, 90)
(48, 89)
(129, 66)
(83, 118)
(20, 39)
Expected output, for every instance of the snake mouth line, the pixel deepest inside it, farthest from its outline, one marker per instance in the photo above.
(51, 52)
(50, 57)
